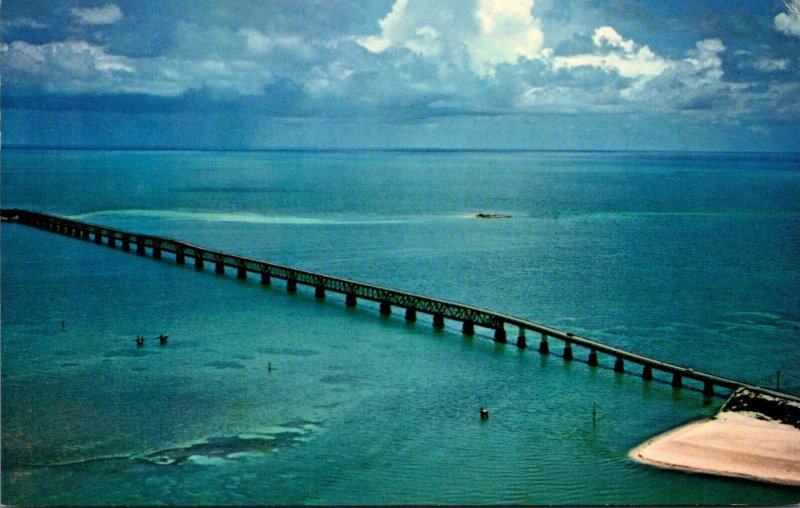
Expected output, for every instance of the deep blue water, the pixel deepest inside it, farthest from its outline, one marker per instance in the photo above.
(692, 258)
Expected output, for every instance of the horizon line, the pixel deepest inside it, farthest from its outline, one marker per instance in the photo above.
(378, 149)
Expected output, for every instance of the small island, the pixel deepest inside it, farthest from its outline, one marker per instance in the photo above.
(491, 216)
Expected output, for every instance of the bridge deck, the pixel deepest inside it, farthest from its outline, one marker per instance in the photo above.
(354, 289)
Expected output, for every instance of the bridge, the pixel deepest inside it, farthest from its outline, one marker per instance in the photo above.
(387, 298)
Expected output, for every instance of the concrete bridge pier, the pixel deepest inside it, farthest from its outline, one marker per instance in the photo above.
(411, 314)
(291, 285)
(266, 280)
(241, 273)
(350, 299)
(708, 388)
(126, 243)
(619, 366)
(219, 267)
(544, 347)
(180, 257)
(319, 292)
(112, 240)
(677, 380)
(468, 328)
(522, 343)
(500, 334)
(85, 234)
(647, 373)
(198, 261)
(140, 246)
(385, 308)
(156, 252)
(98, 237)
(568, 351)
(438, 320)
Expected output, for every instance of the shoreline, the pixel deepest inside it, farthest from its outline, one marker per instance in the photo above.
(743, 445)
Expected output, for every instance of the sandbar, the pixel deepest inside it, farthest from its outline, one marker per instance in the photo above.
(737, 444)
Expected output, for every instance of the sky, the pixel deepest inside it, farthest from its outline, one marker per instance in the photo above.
(700, 75)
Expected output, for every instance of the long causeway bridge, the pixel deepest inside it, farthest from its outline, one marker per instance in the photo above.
(411, 303)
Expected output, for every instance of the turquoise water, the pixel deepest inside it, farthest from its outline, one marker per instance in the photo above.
(690, 258)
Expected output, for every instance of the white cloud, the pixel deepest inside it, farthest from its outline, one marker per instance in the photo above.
(25, 22)
(106, 15)
(259, 43)
(490, 32)
(76, 57)
(616, 54)
(707, 58)
(788, 24)
(508, 32)
(771, 64)
(607, 35)
(75, 67)
(428, 57)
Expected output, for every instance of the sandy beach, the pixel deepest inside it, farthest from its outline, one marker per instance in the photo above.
(734, 444)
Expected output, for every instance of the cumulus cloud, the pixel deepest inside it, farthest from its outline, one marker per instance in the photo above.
(789, 22)
(223, 62)
(75, 59)
(616, 54)
(483, 33)
(426, 58)
(106, 15)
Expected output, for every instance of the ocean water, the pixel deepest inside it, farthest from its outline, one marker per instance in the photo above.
(692, 258)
